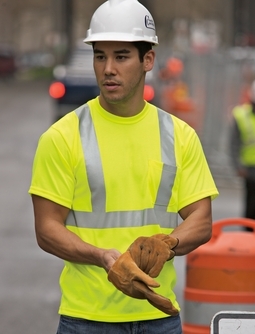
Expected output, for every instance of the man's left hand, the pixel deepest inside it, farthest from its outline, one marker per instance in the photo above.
(151, 253)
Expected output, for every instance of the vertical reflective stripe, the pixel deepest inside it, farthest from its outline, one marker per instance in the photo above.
(166, 127)
(168, 157)
(92, 158)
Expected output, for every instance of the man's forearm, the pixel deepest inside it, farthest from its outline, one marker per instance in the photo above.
(68, 246)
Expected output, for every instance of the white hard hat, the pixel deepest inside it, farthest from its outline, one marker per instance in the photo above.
(122, 20)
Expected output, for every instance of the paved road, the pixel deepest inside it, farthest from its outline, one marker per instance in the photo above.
(29, 292)
(28, 277)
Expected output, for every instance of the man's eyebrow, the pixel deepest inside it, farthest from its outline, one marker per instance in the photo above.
(122, 51)
(98, 51)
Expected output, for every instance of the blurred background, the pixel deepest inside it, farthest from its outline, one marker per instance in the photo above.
(215, 44)
(214, 40)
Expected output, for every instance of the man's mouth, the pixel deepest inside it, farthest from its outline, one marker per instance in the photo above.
(111, 85)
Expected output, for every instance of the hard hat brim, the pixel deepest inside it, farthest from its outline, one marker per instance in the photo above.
(119, 38)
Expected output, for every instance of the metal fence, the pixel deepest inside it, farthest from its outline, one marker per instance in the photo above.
(217, 82)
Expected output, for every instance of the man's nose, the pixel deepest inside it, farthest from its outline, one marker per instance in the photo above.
(110, 67)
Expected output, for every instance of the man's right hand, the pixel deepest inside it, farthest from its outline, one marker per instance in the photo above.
(109, 257)
(132, 281)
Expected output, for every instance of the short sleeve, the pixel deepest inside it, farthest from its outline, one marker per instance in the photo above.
(195, 179)
(53, 172)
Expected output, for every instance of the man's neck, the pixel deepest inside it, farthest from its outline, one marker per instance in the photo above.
(123, 109)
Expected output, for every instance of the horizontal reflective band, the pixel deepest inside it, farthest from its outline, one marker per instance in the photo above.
(196, 313)
(123, 219)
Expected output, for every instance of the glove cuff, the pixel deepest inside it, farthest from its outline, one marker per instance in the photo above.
(173, 249)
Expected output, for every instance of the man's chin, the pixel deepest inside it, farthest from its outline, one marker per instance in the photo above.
(113, 99)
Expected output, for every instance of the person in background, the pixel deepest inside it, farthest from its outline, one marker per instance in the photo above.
(110, 180)
(175, 97)
(242, 149)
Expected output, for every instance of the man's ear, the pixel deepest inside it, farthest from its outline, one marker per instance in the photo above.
(148, 60)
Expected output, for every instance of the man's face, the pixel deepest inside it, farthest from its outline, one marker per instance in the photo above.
(119, 72)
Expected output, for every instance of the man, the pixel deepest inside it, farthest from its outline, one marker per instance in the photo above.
(242, 149)
(109, 180)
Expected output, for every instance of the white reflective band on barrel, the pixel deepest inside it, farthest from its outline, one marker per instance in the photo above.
(201, 313)
(101, 219)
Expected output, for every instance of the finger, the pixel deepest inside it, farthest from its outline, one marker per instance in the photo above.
(157, 259)
(153, 249)
(168, 239)
(159, 264)
(142, 288)
(172, 254)
(156, 300)
(160, 236)
(149, 255)
(135, 250)
(146, 279)
(171, 242)
(156, 269)
(135, 253)
(130, 267)
(164, 306)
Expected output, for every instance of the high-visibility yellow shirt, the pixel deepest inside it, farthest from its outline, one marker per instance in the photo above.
(245, 120)
(130, 154)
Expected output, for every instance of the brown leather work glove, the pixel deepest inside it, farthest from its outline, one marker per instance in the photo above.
(124, 272)
(151, 253)
(133, 282)
(160, 302)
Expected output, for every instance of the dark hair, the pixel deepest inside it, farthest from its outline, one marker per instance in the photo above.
(143, 48)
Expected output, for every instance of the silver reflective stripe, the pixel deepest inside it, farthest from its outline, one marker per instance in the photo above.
(168, 157)
(166, 138)
(101, 219)
(92, 158)
(122, 218)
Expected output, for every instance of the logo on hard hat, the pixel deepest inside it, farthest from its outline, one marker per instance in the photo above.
(149, 23)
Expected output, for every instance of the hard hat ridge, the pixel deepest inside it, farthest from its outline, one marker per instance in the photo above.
(122, 20)
(115, 2)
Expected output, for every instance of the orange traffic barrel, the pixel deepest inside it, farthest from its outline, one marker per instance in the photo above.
(220, 275)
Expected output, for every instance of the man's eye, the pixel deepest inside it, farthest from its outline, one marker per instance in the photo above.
(121, 57)
(98, 57)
